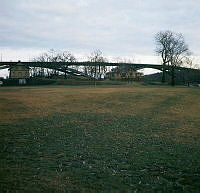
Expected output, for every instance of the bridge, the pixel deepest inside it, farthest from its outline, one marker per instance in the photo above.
(66, 67)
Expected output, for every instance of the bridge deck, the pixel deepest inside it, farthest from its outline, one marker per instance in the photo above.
(62, 66)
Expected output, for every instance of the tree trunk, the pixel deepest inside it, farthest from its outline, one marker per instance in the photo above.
(95, 75)
(173, 77)
(163, 74)
(65, 73)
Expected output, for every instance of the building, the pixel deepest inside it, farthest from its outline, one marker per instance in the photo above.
(19, 71)
(123, 73)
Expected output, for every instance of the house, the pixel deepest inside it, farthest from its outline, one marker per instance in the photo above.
(19, 71)
(123, 73)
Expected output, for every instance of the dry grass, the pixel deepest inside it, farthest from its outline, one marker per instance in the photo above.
(169, 104)
(33, 101)
(72, 138)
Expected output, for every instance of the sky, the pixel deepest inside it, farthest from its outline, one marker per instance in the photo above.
(119, 28)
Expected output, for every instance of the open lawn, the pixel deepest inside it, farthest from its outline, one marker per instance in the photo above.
(126, 138)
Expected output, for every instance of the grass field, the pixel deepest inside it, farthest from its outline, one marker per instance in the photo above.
(127, 138)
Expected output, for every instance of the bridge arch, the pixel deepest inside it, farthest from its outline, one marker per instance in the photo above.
(66, 66)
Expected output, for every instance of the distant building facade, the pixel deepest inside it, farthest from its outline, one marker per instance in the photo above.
(19, 71)
(123, 73)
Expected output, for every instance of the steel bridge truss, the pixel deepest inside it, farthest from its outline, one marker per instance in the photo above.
(66, 67)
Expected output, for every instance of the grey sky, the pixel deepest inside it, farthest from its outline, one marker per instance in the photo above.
(117, 27)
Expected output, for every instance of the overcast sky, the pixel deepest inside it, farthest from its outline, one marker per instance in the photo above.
(117, 27)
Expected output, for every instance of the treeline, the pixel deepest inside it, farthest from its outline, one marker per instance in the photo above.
(95, 71)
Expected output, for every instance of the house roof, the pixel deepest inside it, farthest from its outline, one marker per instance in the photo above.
(122, 69)
(19, 64)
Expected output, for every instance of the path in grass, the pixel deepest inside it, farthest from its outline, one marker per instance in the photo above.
(55, 139)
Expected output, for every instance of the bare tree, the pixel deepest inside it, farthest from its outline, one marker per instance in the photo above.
(66, 57)
(97, 70)
(173, 49)
(55, 56)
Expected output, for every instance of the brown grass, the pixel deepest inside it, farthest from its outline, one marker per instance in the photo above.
(27, 102)
(137, 127)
